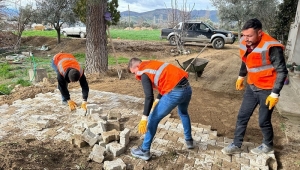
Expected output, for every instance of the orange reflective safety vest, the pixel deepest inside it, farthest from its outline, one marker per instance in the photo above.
(164, 76)
(64, 61)
(261, 72)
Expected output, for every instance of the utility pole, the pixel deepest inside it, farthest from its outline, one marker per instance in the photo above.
(129, 17)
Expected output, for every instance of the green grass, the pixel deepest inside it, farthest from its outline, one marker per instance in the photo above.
(24, 83)
(147, 35)
(29, 33)
(5, 89)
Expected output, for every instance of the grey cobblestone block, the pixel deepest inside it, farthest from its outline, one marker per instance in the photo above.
(204, 137)
(115, 148)
(95, 117)
(117, 164)
(219, 154)
(243, 161)
(124, 137)
(227, 141)
(112, 124)
(78, 128)
(197, 130)
(114, 114)
(109, 136)
(175, 129)
(42, 124)
(248, 155)
(156, 152)
(160, 141)
(78, 141)
(211, 142)
(90, 137)
(97, 154)
(202, 147)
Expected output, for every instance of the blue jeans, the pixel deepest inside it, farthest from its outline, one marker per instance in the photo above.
(56, 70)
(177, 97)
(250, 101)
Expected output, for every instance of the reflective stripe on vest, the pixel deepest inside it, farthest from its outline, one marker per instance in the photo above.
(258, 69)
(263, 50)
(156, 72)
(60, 67)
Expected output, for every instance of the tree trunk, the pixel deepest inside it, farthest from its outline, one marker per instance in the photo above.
(58, 34)
(96, 39)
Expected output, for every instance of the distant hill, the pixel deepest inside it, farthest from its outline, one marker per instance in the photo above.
(162, 14)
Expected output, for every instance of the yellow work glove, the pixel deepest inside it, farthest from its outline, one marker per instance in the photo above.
(272, 100)
(143, 125)
(83, 106)
(154, 104)
(239, 85)
(72, 105)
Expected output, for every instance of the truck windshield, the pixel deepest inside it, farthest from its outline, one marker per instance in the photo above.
(211, 27)
(178, 26)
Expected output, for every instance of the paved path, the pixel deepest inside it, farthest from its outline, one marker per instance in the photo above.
(45, 118)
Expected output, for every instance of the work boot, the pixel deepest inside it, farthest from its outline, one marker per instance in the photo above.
(231, 149)
(189, 144)
(263, 148)
(140, 153)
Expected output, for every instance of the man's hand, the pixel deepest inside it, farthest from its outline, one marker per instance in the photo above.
(272, 100)
(239, 85)
(83, 105)
(143, 125)
(72, 105)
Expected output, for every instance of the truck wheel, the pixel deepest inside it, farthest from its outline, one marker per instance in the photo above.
(172, 40)
(65, 34)
(82, 35)
(218, 43)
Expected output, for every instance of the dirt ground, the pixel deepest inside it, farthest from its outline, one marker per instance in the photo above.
(214, 102)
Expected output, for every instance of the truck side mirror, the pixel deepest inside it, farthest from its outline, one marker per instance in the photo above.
(207, 29)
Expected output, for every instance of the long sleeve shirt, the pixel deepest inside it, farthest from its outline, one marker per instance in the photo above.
(149, 96)
(63, 86)
(278, 62)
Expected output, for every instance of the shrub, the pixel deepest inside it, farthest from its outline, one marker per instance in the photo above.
(4, 89)
(24, 83)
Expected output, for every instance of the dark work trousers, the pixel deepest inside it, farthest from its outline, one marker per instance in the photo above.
(250, 100)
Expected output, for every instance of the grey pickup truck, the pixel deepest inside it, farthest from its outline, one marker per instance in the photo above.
(197, 32)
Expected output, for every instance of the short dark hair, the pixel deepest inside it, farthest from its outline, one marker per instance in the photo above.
(73, 75)
(130, 63)
(252, 23)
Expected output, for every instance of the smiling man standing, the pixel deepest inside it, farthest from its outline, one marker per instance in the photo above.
(263, 61)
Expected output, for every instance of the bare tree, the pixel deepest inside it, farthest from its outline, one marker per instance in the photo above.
(25, 15)
(96, 39)
(179, 14)
(2, 6)
(56, 12)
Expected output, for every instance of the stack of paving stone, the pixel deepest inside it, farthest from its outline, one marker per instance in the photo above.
(102, 132)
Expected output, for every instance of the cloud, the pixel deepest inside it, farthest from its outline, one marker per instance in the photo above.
(148, 5)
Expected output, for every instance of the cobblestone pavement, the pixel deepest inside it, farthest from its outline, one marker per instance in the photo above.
(46, 118)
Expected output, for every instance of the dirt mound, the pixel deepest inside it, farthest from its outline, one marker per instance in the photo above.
(7, 40)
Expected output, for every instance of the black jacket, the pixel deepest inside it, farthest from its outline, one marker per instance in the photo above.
(63, 86)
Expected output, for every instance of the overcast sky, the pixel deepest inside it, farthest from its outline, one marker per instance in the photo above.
(148, 5)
